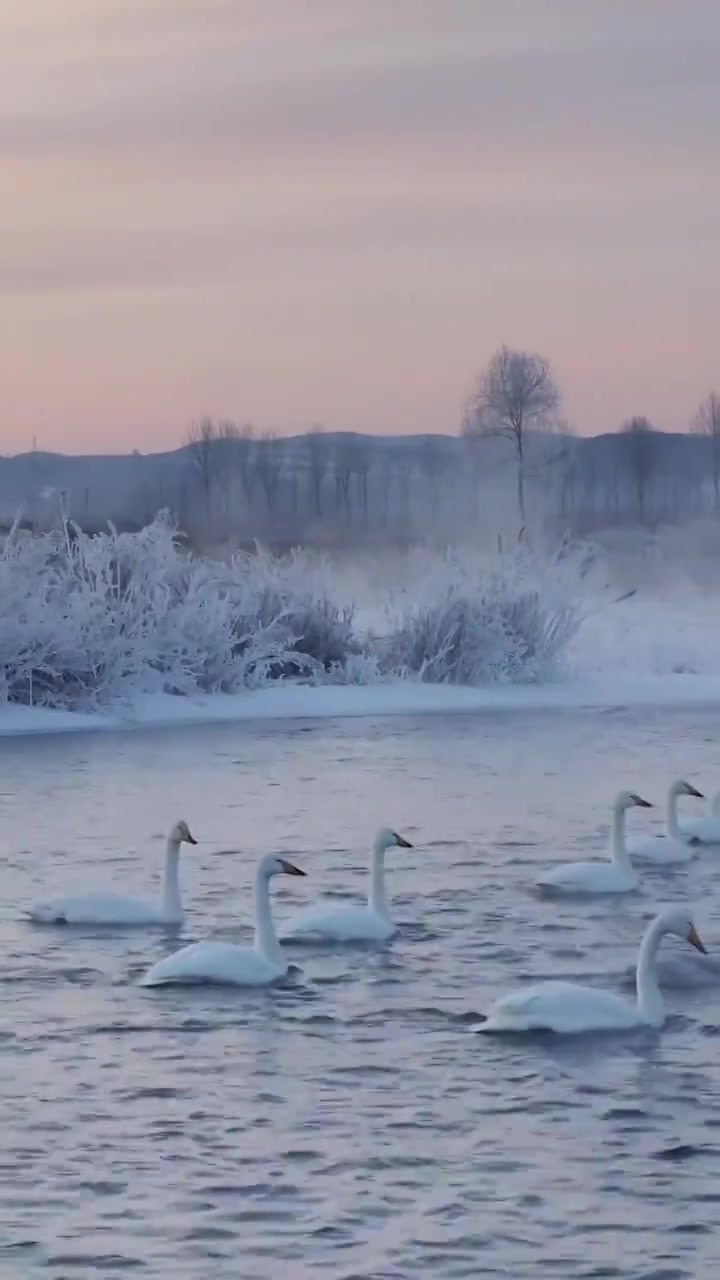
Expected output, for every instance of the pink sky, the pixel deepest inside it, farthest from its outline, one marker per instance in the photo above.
(286, 212)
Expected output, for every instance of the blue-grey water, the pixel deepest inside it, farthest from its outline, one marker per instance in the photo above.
(348, 1123)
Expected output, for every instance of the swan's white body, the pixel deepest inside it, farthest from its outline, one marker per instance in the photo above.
(675, 846)
(369, 923)
(101, 908)
(616, 876)
(223, 962)
(568, 1008)
(706, 830)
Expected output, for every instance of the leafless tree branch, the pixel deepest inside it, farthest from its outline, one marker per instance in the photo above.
(516, 394)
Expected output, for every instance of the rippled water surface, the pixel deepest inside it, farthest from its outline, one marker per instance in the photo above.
(348, 1123)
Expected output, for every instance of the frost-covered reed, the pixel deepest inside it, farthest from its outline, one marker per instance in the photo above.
(510, 622)
(88, 620)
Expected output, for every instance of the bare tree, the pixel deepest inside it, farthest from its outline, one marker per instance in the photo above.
(434, 462)
(245, 460)
(568, 473)
(475, 467)
(707, 423)
(235, 455)
(404, 473)
(268, 467)
(345, 464)
(515, 395)
(641, 455)
(386, 484)
(227, 436)
(318, 462)
(229, 461)
(362, 467)
(201, 443)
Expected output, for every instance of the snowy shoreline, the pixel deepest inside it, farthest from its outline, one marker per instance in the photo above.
(288, 701)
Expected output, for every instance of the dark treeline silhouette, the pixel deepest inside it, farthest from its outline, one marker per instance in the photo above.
(514, 462)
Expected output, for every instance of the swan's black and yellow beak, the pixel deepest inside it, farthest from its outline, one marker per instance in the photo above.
(695, 939)
(401, 842)
(290, 869)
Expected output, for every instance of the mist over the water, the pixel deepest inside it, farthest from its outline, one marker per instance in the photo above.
(667, 626)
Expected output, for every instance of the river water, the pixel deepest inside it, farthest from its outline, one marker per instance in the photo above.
(348, 1124)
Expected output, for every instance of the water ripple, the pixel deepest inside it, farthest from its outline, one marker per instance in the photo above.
(346, 1123)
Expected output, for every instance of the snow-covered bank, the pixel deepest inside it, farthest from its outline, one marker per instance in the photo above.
(402, 698)
(126, 631)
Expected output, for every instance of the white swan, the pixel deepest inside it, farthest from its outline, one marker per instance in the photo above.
(616, 876)
(369, 923)
(674, 847)
(705, 830)
(225, 962)
(98, 908)
(570, 1008)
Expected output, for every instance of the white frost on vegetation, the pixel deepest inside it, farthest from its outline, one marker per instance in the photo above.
(509, 623)
(87, 621)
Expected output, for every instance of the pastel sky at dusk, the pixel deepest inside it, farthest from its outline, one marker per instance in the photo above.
(298, 211)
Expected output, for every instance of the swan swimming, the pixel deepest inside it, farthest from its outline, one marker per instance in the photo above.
(676, 846)
(616, 876)
(225, 962)
(99, 908)
(369, 923)
(705, 830)
(569, 1008)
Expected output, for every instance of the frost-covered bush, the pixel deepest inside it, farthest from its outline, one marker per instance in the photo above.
(293, 590)
(87, 620)
(510, 623)
(84, 620)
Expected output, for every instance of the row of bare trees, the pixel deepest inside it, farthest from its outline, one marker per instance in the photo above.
(707, 423)
(242, 484)
(516, 462)
(513, 446)
(639, 476)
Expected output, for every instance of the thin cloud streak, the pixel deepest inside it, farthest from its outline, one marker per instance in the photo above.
(450, 179)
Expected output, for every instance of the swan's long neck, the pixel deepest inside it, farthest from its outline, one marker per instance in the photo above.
(377, 899)
(650, 1002)
(716, 805)
(266, 941)
(171, 902)
(618, 849)
(673, 825)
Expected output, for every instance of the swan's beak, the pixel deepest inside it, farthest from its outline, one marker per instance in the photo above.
(692, 791)
(694, 938)
(190, 839)
(642, 804)
(290, 869)
(401, 842)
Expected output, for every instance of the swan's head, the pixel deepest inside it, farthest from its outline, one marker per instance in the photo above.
(273, 865)
(629, 800)
(683, 788)
(676, 920)
(180, 834)
(387, 839)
